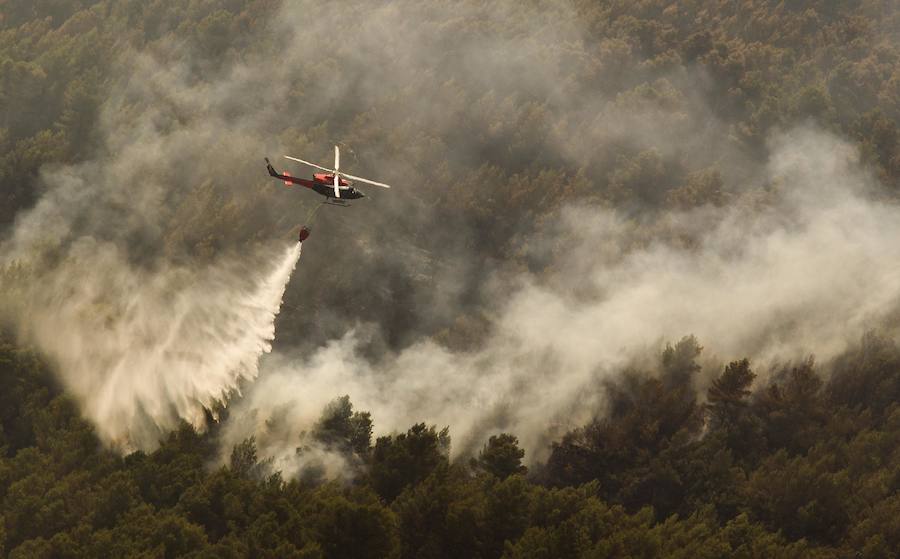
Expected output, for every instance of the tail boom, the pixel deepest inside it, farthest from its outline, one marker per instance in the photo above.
(287, 178)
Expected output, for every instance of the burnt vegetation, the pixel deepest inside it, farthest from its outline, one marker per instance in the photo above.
(801, 461)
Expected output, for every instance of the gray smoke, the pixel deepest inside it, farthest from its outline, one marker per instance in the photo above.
(152, 297)
(140, 270)
(805, 265)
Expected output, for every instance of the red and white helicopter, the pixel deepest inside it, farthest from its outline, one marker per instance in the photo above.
(331, 184)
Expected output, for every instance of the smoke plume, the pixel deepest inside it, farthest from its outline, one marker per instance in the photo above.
(806, 264)
(527, 252)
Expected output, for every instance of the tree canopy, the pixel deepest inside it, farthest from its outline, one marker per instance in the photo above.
(804, 463)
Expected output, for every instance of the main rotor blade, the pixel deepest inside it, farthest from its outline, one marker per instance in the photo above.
(337, 159)
(335, 171)
(308, 163)
(367, 181)
(337, 185)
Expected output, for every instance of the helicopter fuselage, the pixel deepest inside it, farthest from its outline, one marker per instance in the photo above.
(321, 183)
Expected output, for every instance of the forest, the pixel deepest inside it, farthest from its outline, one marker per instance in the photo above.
(508, 130)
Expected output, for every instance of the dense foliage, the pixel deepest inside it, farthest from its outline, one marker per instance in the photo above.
(797, 468)
(802, 466)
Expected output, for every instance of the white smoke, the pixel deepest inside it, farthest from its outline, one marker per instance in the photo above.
(804, 265)
(145, 274)
(145, 340)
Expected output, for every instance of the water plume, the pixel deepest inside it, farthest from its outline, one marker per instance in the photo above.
(143, 350)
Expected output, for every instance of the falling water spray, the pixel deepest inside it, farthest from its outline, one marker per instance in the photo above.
(144, 351)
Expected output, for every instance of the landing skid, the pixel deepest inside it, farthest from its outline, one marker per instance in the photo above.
(340, 204)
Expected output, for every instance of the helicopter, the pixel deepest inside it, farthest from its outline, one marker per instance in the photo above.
(331, 184)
